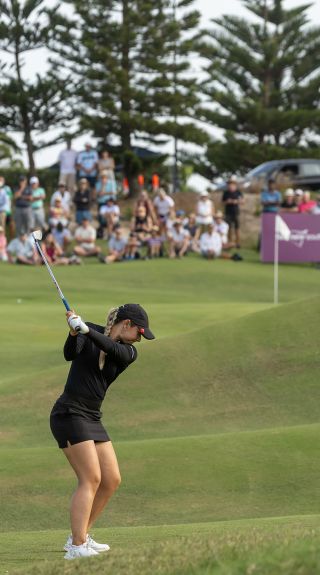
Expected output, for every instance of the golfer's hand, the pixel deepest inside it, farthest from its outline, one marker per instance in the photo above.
(76, 324)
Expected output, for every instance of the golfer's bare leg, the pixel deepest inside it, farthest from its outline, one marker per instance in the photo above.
(110, 479)
(84, 460)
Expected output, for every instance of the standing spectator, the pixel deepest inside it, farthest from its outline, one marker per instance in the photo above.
(64, 195)
(3, 245)
(106, 163)
(85, 237)
(67, 160)
(38, 195)
(204, 209)
(154, 243)
(141, 224)
(289, 203)
(82, 200)
(307, 205)
(8, 221)
(164, 206)
(3, 206)
(109, 216)
(22, 250)
(271, 198)
(23, 210)
(179, 240)
(232, 199)
(117, 247)
(211, 243)
(87, 165)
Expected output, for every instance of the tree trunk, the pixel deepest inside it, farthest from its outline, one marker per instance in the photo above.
(24, 112)
(125, 129)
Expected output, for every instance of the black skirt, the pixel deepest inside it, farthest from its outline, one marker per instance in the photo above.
(74, 419)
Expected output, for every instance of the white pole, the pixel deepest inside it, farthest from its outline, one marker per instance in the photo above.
(275, 264)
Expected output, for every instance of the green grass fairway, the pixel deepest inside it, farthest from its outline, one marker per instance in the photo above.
(216, 426)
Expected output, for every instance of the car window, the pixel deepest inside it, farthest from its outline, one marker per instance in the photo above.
(310, 169)
(289, 170)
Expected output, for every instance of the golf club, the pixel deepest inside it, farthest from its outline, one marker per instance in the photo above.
(37, 236)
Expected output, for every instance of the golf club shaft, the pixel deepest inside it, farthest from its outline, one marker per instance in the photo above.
(64, 301)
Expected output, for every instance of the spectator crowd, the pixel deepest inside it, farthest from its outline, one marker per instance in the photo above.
(85, 207)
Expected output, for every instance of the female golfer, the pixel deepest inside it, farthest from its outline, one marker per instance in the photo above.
(98, 354)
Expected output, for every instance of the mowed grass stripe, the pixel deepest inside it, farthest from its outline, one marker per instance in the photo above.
(184, 480)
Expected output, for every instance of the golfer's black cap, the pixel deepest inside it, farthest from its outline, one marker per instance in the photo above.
(138, 315)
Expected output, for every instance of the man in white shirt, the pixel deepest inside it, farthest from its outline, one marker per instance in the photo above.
(87, 164)
(204, 210)
(211, 243)
(67, 160)
(179, 239)
(22, 250)
(85, 237)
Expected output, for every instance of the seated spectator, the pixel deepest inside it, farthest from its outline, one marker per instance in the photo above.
(154, 243)
(307, 204)
(37, 204)
(85, 237)
(271, 198)
(289, 203)
(179, 239)
(141, 224)
(3, 246)
(105, 189)
(62, 236)
(22, 250)
(204, 210)
(211, 243)
(316, 209)
(109, 216)
(164, 206)
(117, 248)
(132, 248)
(194, 230)
(64, 195)
(144, 200)
(57, 214)
(106, 164)
(82, 200)
(222, 228)
(54, 252)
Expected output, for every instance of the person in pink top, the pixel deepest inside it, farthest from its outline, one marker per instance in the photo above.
(307, 204)
(3, 246)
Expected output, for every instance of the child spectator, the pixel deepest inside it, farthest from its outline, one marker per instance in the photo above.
(3, 246)
(179, 239)
(289, 203)
(85, 237)
(307, 204)
(57, 214)
(270, 198)
(109, 216)
(154, 243)
(82, 200)
(64, 195)
(117, 247)
(62, 236)
(222, 228)
(38, 197)
(194, 231)
(204, 209)
(132, 247)
(22, 250)
(211, 243)
(141, 224)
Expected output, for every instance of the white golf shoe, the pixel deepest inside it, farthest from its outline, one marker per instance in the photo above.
(79, 551)
(91, 544)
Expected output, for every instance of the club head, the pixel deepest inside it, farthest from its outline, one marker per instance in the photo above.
(37, 235)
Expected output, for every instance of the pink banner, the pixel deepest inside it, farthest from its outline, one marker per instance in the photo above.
(304, 242)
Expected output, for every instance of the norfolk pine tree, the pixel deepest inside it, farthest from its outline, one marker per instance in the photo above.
(130, 60)
(263, 85)
(30, 107)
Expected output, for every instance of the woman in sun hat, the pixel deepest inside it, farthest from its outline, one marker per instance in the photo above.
(98, 354)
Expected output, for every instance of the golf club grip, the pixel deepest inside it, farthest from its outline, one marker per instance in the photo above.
(66, 305)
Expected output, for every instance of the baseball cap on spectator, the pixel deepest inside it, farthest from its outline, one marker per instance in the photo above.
(233, 179)
(138, 316)
(289, 192)
(204, 194)
(34, 180)
(180, 213)
(299, 192)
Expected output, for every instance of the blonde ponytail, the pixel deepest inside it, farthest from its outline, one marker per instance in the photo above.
(111, 319)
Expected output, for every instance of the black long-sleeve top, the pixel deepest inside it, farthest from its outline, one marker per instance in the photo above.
(85, 379)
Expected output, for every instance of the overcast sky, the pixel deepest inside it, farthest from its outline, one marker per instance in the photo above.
(209, 9)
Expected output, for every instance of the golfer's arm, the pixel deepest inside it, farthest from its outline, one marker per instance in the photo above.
(119, 352)
(73, 346)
